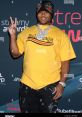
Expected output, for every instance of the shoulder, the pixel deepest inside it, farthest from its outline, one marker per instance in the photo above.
(59, 32)
(27, 30)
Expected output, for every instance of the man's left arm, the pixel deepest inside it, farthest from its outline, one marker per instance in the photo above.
(60, 87)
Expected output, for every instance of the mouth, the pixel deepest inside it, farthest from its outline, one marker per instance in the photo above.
(43, 18)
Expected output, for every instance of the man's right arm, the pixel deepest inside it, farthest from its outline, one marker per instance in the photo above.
(13, 38)
(13, 47)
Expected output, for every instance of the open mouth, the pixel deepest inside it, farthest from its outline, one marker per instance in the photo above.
(43, 18)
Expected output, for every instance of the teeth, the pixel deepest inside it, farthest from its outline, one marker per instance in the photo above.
(43, 18)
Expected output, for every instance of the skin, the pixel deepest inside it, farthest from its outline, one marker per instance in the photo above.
(44, 18)
(59, 88)
(12, 32)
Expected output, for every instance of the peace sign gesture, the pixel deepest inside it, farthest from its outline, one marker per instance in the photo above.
(12, 27)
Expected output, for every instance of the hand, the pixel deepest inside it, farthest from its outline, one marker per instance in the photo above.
(58, 91)
(12, 27)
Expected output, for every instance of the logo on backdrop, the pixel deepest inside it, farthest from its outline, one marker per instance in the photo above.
(80, 84)
(15, 79)
(69, 19)
(69, 2)
(2, 39)
(69, 76)
(2, 80)
(21, 24)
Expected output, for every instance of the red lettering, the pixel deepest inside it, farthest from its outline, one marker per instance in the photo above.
(71, 35)
(77, 19)
(58, 14)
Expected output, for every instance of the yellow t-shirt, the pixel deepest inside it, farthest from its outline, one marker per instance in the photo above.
(42, 58)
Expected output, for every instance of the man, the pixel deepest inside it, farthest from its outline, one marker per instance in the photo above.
(47, 51)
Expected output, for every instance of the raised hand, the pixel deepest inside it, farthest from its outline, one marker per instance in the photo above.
(13, 26)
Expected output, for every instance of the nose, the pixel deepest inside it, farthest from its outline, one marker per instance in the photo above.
(43, 13)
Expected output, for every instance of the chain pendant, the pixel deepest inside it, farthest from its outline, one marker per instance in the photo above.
(42, 33)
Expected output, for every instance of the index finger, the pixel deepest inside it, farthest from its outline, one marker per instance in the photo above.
(11, 20)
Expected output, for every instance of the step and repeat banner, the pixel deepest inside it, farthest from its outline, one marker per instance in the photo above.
(68, 17)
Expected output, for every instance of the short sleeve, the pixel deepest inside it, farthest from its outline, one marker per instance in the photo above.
(20, 43)
(66, 48)
(21, 39)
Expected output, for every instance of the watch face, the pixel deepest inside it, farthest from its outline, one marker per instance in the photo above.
(63, 84)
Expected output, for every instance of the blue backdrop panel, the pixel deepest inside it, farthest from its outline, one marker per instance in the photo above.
(68, 17)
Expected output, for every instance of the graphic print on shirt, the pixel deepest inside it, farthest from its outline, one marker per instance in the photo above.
(46, 41)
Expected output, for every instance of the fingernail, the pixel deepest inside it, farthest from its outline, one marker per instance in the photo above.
(53, 92)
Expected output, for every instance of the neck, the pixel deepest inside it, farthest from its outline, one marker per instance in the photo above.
(44, 24)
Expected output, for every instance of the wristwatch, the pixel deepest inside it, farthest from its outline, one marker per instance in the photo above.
(63, 84)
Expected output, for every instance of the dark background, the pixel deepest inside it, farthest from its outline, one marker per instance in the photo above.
(11, 70)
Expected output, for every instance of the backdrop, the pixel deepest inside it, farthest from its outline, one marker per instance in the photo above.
(68, 17)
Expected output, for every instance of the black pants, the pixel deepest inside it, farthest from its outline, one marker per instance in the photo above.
(37, 101)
